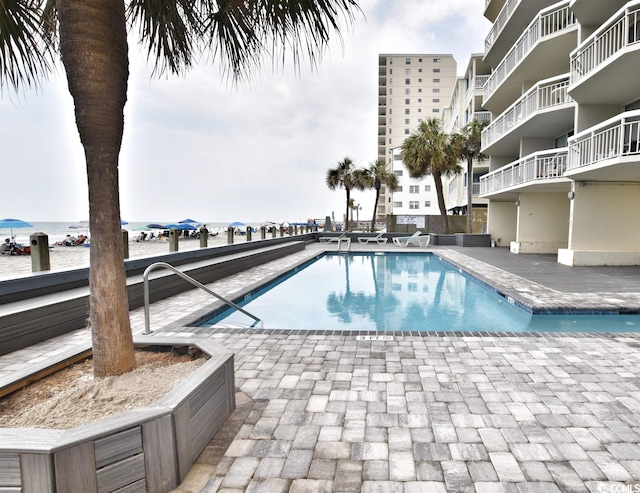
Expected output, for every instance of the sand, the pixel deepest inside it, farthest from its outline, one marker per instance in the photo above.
(61, 257)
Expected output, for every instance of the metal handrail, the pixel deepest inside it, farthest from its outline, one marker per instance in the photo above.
(189, 279)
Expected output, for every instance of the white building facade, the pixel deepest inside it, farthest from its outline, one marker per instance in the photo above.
(411, 87)
(563, 141)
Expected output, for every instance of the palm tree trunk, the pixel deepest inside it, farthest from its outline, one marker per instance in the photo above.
(470, 194)
(93, 45)
(437, 177)
(346, 217)
(375, 208)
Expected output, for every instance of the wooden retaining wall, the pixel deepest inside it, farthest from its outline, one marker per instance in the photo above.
(150, 449)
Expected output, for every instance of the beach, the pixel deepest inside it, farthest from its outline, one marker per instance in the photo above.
(63, 257)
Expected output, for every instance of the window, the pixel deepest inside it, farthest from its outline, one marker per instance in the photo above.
(419, 100)
(414, 204)
(399, 188)
(427, 203)
(398, 172)
(436, 70)
(389, 141)
(436, 100)
(390, 80)
(419, 80)
(407, 61)
(406, 131)
(390, 109)
(407, 101)
(436, 90)
(419, 110)
(435, 81)
(419, 70)
(407, 91)
(407, 71)
(390, 61)
(414, 189)
(390, 120)
(397, 204)
(420, 60)
(420, 89)
(435, 110)
(389, 131)
(407, 81)
(406, 121)
(436, 60)
(390, 91)
(390, 71)
(427, 188)
(407, 111)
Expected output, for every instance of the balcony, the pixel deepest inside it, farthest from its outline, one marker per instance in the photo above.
(595, 12)
(543, 171)
(609, 151)
(482, 116)
(545, 110)
(604, 67)
(514, 18)
(492, 8)
(545, 46)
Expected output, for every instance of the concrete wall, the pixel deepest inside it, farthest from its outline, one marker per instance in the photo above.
(543, 223)
(604, 227)
(502, 222)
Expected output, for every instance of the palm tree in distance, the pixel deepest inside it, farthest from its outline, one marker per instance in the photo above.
(468, 144)
(375, 176)
(344, 176)
(91, 37)
(430, 150)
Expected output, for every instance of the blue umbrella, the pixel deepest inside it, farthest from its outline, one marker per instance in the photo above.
(188, 221)
(236, 224)
(123, 222)
(181, 227)
(155, 226)
(14, 223)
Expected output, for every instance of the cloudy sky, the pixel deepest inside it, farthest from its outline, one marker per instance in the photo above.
(196, 147)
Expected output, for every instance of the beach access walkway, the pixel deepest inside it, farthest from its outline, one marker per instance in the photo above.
(421, 412)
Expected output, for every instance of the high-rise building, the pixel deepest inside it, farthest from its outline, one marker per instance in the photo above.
(411, 87)
(563, 142)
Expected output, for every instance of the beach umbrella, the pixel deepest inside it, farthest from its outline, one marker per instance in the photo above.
(155, 226)
(14, 223)
(181, 227)
(236, 224)
(188, 221)
(123, 222)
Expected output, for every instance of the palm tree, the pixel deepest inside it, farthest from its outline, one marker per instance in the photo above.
(430, 150)
(375, 176)
(468, 145)
(343, 176)
(94, 51)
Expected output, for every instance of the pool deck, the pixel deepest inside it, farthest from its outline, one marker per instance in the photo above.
(423, 412)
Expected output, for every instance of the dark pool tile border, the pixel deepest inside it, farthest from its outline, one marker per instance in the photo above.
(426, 334)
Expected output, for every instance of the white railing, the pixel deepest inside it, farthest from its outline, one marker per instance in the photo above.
(539, 166)
(614, 138)
(622, 30)
(501, 21)
(547, 23)
(481, 80)
(545, 94)
(482, 116)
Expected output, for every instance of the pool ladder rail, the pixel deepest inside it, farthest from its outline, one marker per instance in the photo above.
(189, 279)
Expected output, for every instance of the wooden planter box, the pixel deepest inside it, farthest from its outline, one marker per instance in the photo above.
(150, 449)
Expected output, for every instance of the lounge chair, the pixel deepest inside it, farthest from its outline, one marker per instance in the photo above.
(333, 239)
(414, 240)
(337, 239)
(379, 239)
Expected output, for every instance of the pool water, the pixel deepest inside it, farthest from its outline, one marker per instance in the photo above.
(399, 292)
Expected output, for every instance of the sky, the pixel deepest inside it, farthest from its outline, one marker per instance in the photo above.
(195, 146)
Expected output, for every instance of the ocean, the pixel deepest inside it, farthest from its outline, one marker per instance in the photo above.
(59, 230)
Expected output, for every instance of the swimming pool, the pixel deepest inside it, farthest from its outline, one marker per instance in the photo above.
(397, 292)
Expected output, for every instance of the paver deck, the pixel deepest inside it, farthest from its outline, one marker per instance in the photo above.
(323, 412)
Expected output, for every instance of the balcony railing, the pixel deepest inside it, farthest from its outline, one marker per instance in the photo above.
(482, 116)
(546, 94)
(548, 23)
(539, 166)
(615, 138)
(501, 21)
(620, 31)
(480, 81)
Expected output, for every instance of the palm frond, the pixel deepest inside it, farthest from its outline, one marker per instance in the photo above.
(170, 29)
(26, 45)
